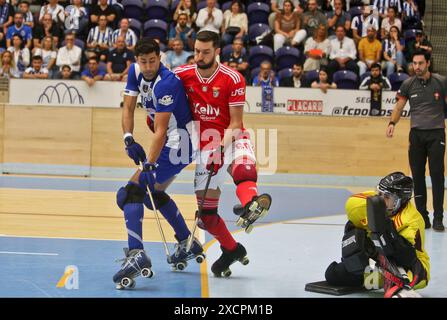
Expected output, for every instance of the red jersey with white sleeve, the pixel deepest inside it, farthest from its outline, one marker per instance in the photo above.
(210, 99)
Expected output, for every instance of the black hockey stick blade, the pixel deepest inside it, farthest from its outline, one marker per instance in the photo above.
(326, 288)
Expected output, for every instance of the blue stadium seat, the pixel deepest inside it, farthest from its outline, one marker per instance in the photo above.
(157, 9)
(345, 79)
(255, 30)
(396, 79)
(258, 12)
(410, 34)
(284, 73)
(136, 26)
(157, 29)
(363, 76)
(226, 6)
(311, 76)
(133, 8)
(258, 54)
(254, 72)
(286, 57)
(355, 11)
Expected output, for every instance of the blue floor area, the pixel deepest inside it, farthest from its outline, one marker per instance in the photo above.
(37, 275)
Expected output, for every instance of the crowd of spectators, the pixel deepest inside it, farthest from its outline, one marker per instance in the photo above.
(94, 39)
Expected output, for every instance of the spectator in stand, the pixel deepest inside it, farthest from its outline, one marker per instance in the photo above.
(312, 19)
(338, 17)
(70, 55)
(190, 60)
(420, 43)
(296, 80)
(103, 8)
(182, 32)
(36, 71)
(393, 46)
(287, 27)
(176, 57)
(92, 72)
(55, 10)
(20, 53)
(266, 76)
(128, 34)
(187, 7)
(323, 82)
(277, 6)
(235, 23)
(48, 55)
(19, 28)
(28, 19)
(361, 23)
(6, 18)
(410, 15)
(383, 5)
(119, 61)
(343, 53)
(65, 73)
(370, 51)
(210, 17)
(317, 49)
(99, 40)
(376, 81)
(389, 21)
(7, 66)
(76, 18)
(237, 56)
(47, 29)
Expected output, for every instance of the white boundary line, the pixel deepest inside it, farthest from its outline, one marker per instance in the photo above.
(29, 253)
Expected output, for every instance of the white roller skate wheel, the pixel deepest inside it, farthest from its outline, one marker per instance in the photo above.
(226, 273)
(181, 265)
(200, 258)
(119, 286)
(126, 282)
(245, 261)
(147, 273)
(249, 228)
(239, 222)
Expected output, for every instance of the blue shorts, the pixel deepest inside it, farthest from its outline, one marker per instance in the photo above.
(170, 163)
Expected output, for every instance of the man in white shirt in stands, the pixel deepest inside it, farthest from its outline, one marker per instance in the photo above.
(55, 9)
(210, 18)
(343, 53)
(36, 71)
(70, 55)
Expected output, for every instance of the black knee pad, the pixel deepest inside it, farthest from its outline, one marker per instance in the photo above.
(354, 251)
(160, 198)
(337, 275)
(131, 193)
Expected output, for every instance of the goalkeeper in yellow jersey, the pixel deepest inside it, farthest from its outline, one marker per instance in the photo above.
(386, 227)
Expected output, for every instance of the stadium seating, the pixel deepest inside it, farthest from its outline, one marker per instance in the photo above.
(255, 30)
(136, 26)
(133, 9)
(157, 9)
(396, 79)
(156, 28)
(286, 57)
(345, 79)
(284, 73)
(258, 12)
(258, 54)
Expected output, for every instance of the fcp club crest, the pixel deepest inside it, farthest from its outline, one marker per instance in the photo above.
(145, 88)
(215, 92)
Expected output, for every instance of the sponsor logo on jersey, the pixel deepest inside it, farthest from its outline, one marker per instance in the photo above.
(215, 92)
(238, 92)
(204, 88)
(206, 112)
(166, 100)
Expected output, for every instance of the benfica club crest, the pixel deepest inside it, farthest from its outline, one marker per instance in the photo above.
(215, 92)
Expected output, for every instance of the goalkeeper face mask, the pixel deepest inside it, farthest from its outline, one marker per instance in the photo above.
(392, 201)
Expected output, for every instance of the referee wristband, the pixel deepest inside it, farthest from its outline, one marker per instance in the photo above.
(392, 122)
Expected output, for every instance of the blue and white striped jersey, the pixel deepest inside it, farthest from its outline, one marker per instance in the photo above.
(164, 93)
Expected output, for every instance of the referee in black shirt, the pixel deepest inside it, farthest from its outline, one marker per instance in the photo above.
(426, 93)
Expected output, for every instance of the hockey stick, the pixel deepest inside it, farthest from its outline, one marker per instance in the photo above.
(157, 218)
(199, 211)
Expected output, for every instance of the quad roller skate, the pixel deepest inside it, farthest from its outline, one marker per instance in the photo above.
(136, 263)
(255, 209)
(180, 257)
(222, 265)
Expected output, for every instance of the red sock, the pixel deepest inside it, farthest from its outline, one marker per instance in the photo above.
(215, 225)
(245, 191)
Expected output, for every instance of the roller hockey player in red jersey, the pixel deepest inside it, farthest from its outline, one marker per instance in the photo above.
(216, 96)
